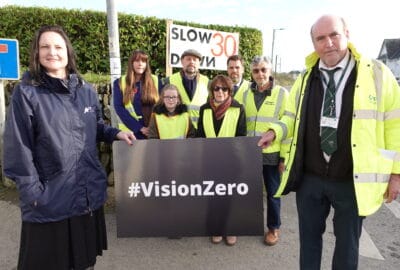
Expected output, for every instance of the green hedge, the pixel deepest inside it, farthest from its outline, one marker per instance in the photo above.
(89, 35)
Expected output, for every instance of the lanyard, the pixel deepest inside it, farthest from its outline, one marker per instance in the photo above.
(341, 77)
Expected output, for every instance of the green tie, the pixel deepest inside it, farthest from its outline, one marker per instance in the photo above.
(328, 134)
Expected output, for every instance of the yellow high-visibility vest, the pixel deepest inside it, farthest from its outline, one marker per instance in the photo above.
(172, 127)
(243, 87)
(270, 111)
(229, 123)
(199, 98)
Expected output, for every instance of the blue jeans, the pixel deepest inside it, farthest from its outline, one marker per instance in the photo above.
(271, 182)
(314, 199)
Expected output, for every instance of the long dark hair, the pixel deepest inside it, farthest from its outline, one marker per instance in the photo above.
(149, 91)
(35, 68)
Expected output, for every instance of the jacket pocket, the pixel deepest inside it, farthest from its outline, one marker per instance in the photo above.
(48, 161)
(30, 190)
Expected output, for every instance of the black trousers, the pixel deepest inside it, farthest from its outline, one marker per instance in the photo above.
(314, 200)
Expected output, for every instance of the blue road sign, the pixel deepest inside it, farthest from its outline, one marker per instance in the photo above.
(9, 59)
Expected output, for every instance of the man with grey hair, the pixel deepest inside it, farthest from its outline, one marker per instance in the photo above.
(265, 102)
(343, 114)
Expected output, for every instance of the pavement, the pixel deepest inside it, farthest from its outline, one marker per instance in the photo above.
(199, 253)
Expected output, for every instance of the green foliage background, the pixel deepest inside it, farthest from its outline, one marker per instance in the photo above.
(88, 33)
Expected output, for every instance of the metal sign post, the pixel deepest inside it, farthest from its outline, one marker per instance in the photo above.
(115, 59)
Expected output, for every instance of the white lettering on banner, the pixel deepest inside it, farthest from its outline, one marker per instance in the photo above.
(207, 191)
(207, 188)
(214, 46)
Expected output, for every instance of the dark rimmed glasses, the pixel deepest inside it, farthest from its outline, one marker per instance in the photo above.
(217, 88)
(170, 97)
(257, 70)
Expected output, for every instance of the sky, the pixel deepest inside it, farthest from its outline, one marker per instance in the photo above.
(370, 22)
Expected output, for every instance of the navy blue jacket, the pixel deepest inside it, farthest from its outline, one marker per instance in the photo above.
(50, 140)
(124, 115)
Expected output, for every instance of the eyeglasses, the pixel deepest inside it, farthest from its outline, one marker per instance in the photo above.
(170, 97)
(217, 88)
(256, 70)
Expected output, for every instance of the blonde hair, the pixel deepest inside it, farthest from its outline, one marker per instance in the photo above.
(166, 88)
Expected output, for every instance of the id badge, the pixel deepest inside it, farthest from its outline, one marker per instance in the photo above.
(329, 122)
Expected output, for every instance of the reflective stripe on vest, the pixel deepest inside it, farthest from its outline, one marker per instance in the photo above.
(373, 114)
(172, 127)
(199, 98)
(378, 79)
(229, 123)
(371, 177)
(289, 114)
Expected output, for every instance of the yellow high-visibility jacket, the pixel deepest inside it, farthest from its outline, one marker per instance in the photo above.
(199, 98)
(172, 127)
(270, 111)
(374, 133)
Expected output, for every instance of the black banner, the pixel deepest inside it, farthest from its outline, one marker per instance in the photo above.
(190, 187)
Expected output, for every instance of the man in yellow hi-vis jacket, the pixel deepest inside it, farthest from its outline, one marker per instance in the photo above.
(264, 102)
(192, 85)
(343, 118)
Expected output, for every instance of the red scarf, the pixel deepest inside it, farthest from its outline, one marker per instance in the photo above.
(220, 109)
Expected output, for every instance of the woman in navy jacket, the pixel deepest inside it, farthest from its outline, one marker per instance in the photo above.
(53, 125)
